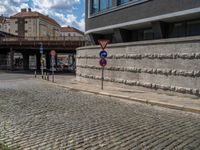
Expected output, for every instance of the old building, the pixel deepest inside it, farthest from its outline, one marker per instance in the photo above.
(71, 31)
(4, 24)
(135, 20)
(29, 23)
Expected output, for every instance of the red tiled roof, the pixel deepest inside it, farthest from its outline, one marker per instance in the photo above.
(70, 29)
(34, 14)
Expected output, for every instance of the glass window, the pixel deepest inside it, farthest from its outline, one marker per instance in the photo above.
(148, 34)
(193, 28)
(119, 2)
(178, 30)
(95, 6)
(105, 4)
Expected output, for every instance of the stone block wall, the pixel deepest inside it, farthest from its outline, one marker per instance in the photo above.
(168, 65)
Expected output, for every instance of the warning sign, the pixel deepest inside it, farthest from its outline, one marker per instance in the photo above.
(103, 43)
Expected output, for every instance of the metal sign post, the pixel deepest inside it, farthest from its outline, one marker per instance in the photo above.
(41, 52)
(103, 63)
(102, 78)
(53, 54)
(103, 54)
(42, 66)
(52, 67)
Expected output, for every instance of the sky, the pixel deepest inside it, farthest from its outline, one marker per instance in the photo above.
(65, 12)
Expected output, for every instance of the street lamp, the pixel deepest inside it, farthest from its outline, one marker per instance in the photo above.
(41, 59)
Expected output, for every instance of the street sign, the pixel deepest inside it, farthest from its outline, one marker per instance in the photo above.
(53, 53)
(103, 54)
(41, 50)
(103, 43)
(103, 62)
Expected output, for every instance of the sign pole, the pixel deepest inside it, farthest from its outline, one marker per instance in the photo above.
(52, 74)
(52, 67)
(41, 59)
(102, 78)
(53, 54)
(103, 54)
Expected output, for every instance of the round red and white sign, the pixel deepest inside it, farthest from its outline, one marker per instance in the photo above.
(53, 53)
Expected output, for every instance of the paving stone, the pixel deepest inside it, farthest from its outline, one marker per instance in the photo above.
(36, 115)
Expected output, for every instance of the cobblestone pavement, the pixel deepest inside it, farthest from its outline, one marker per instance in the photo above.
(36, 115)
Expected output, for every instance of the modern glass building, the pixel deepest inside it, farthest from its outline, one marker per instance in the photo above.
(136, 20)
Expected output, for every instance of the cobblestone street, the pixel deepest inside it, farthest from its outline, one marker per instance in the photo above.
(37, 115)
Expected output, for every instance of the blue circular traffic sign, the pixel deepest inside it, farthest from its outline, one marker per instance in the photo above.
(41, 50)
(103, 54)
(103, 62)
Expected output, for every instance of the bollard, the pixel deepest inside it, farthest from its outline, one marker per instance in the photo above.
(35, 74)
(52, 76)
(47, 76)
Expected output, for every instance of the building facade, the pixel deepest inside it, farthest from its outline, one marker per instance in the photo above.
(4, 24)
(33, 24)
(71, 31)
(135, 20)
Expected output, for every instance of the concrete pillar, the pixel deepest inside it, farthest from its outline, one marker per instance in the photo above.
(95, 37)
(38, 61)
(26, 61)
(121, 35)
(12, 53)
(159, 29)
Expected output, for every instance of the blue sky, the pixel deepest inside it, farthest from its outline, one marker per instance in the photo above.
(65, 12)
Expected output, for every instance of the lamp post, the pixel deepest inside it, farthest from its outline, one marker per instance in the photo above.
(41, 59)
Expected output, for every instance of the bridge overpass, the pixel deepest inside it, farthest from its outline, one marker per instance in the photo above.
(30, 46)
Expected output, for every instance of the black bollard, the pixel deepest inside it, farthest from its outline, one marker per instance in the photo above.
(47, 76)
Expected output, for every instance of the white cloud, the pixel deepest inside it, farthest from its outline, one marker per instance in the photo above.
(2, 9)
(60, 10)
(70, 20)
(10, 7)
(54, 4)
(81, 24)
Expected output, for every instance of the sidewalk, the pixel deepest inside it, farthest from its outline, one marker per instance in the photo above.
(184, 103)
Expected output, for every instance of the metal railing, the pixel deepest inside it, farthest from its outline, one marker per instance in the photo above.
(44, 38)
(66, 40)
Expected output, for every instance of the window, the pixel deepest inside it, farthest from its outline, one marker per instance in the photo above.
(100, 5)
(105, 4)
(95, 6)
(148, 34)
(119, 2)
(177, 30)
(193, 28)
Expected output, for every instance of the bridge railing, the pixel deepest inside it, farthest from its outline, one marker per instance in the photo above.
(44, 38)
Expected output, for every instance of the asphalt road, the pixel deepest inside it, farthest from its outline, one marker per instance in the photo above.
(37, 115)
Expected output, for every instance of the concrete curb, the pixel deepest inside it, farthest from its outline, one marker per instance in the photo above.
(144, 101)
